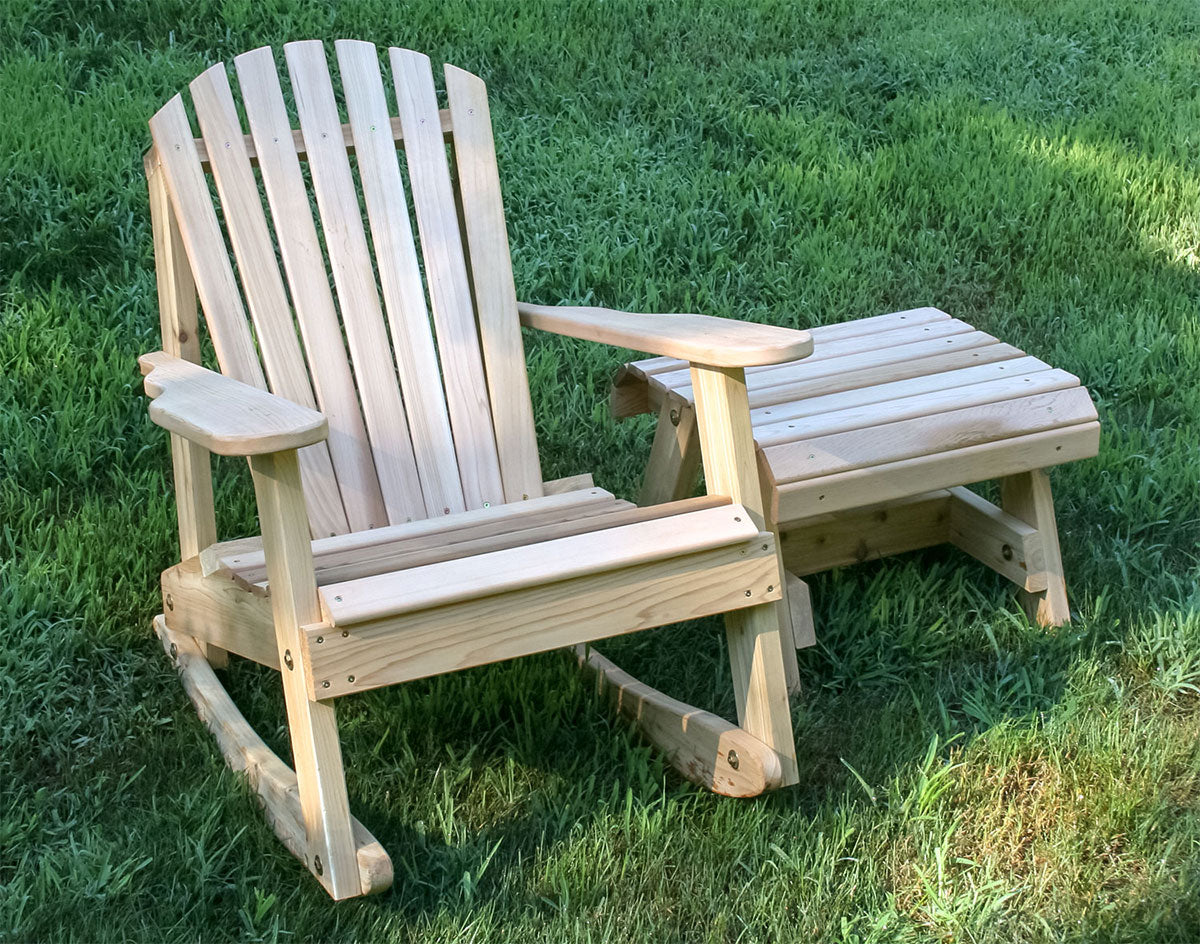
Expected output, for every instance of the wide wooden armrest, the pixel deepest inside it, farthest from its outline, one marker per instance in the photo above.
(224, 415)
(700, 339)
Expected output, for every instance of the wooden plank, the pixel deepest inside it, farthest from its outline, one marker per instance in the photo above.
(220, 612)
(446, 276)
(400, 278)
(1006, 544)
(1027, 496)
(988, 460)
(297, 136)
(308, 279)
(784, 375)
(538, 619)
(191, 465)
(312, 725)
(263, 286)
(896, 389)
(494, 291)
(245, 555)
(700, 338)
(269, 777)
(799, 603)
(755, 636)
(205, 247)
(222, 415)
(822, 456)
(569, 483)
(674, 456)
(417, 588)
(933, 404)
(864, 534)
(354, 278)
(704, 748)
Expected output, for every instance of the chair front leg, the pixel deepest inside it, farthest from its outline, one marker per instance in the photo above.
(1027, 496)
(755, 634)
(316, 752)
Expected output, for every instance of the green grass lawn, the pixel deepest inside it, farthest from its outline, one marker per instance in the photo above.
(1032, 168)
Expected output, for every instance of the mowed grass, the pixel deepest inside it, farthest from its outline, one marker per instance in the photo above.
(1033, 168)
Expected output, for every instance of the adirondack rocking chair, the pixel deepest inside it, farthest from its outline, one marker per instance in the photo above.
(406, 528)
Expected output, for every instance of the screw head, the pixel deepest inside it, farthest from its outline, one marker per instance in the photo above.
(174, 651)
(732, 758)
(317, 866)
(747, 593)
(350, 679)
(287, 659)
(169, 601)
(345, 633)
(325, 684)
(1006, 552)
(320, 639)
(675, 417)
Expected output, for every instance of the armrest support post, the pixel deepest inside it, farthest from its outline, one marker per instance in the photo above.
(755, 634)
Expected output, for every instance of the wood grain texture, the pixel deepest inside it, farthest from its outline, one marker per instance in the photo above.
(446, 278)
(270, 778)
(721, 342)
(495, 293)
(312, 725)
(308, 279)
(1008, 545)
(756, 635)
(452, 581)
(674, 456)
(400, 277)
(705, 748)
(1027, 497)
(354, 279)
(537, 619)
(222, 415)
(274, 327)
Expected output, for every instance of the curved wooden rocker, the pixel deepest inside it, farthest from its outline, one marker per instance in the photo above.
(406, 529)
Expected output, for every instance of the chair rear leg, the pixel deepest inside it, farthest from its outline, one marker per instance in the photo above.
(312, 725)
(1027, 496)
(674, 456)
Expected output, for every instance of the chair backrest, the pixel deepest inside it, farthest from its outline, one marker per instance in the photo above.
(408, 438)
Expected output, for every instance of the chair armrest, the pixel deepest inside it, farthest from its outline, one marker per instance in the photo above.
(699, 339)
(224, 415)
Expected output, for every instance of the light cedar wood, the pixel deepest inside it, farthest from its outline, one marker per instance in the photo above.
(220, 612)
(874, 484)
(191, 464)
(799, 601)
(1008, 545)
(354, 279)
(205, 246)
(827, 455)
(537, 619)
(755, 635)
(311, 296)
(407, 553)
(1027, 496)
(568, 483)
(269, 777)
(330, 852)
(495, 293)
(446, 278)
(704, 748)
(274, 327)
(452, 581)
(674, 456)
(245, 555)
(252, 144)
(400, 277)
(700, 338)
(222, 415)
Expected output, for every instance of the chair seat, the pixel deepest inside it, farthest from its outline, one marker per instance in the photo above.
(893, 406)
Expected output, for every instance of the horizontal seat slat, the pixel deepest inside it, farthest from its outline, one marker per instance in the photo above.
(929, 404)
(906, 439)
(453, 581)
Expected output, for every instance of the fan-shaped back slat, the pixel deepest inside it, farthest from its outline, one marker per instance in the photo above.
(400, 276)
(492, 279)
(300, 249)
(354, 278)
(425, 419)
(263, 286)
(446, 277)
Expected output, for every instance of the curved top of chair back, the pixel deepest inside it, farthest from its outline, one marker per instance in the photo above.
(425, 418)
